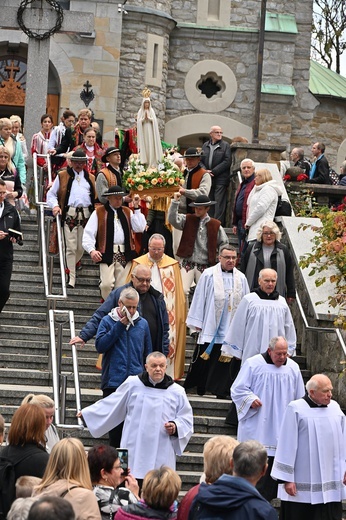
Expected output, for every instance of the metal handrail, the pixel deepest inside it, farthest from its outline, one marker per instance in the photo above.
(56, 372)
(58, 379)
(320, 329)
(42, 206)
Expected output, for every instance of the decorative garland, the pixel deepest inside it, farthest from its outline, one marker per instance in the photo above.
(59, 20)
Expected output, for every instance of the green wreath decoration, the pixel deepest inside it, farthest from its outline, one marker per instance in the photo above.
(59, 20)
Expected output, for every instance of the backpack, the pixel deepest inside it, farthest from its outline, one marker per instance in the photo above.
(8, 482)
(333, 177)
(7, 486)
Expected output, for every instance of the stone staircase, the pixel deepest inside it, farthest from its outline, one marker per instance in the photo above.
(24, 344)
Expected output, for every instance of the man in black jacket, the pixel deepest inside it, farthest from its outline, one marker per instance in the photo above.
(319, 173)
(216, 156)
(9, 219)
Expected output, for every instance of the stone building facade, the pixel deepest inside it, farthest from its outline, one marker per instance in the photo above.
(200, 59)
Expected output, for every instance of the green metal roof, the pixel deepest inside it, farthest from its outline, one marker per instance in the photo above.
(283, 90)
(326, 82)
(284, 23)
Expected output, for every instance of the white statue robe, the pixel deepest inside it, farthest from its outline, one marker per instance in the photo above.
(311, 453)
(276, 387)
(256, 321)
(145, 410)
(202, 313)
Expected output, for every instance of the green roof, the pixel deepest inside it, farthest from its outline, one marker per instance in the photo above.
(326, 82)
(284, 23)
(283, 90)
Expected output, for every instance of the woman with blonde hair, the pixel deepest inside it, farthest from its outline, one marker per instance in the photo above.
(8, 174)
(159, 492)
(262, 202)
(217, 454)
(268, 252)
(67, 475)
(48, 406)
(8, 140)
(17, 132)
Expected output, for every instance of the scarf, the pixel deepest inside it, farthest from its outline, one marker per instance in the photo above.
(219, 303)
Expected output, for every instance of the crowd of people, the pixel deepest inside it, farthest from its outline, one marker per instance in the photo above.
(238, 312)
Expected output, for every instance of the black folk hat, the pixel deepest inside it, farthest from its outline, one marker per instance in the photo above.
(109, 151)
(192, 152)
(79, 156)
(201, 201)
(115, 190)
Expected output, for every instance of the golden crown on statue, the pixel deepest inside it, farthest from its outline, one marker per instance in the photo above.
(146, 92)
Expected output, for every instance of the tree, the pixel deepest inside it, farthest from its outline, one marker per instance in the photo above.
(328, 32)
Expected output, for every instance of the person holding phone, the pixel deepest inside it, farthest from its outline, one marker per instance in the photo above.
(123, 337)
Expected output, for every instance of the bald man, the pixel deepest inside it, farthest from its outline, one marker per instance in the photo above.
(310, 455)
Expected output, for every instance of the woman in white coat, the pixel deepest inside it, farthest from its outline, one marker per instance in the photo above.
(262, 202)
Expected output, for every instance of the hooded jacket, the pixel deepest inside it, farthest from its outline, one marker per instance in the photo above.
(262, 203)
(230, 498)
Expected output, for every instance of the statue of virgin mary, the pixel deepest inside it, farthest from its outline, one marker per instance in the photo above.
(148, 135)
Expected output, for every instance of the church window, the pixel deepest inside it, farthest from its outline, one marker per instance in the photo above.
(211, 85)
(154, 63)
(213, 13)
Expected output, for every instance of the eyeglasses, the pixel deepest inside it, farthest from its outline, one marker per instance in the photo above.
(142, 280)
(268, 233)
(117, 467)
(156, 249)
(229, 257)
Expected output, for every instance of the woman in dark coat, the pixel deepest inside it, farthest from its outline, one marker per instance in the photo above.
(268, 252)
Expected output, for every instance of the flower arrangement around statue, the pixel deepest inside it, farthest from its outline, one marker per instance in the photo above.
(157, 182)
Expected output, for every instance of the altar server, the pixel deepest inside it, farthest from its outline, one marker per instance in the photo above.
(310, 455)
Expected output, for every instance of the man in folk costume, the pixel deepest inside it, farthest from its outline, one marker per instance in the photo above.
(72, 195)
(216, 298)
(197, 182)
(158, 417)
(108, 238)
(166, 278)
(110, 175)
(265, 385)
(202, 237)
(261, 315)
(310, 455)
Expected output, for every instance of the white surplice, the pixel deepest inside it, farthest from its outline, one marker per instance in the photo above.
(256, 321)
(145, 410)
(276, 387)
(202, 313)
(311, 453)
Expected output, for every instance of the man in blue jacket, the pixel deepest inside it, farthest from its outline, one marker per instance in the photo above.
(151, 306)
(123, 337)
(235, 497)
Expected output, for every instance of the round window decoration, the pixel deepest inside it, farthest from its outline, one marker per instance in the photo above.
(210, 86)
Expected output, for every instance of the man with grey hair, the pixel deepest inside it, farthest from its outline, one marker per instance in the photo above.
(157, 415)
(247, 167)
(264, 387)
(123, 338)
(297, 156)
(235, 497)
(166, 278)
(310, 456)
(260, 316)
(216, 157)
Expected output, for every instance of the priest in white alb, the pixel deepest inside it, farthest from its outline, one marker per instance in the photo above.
(217, 295)
(260, 316)
(265, 385)
(310, 455)
(166, 278)
(158, 417)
